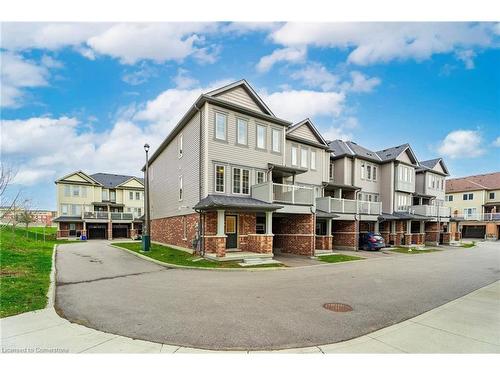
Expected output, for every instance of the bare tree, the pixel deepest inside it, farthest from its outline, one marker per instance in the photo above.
(25, 217)
(10, 205)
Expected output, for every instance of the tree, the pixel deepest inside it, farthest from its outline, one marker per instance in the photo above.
(25, 217)
(10, 204)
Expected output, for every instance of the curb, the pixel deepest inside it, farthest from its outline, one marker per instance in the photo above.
(51, 293)
(170, 265)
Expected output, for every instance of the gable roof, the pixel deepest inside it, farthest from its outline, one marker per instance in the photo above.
(82, 174)
(488, 181)
(427, 165)
(306, 122)
(113, 180)
(250, 91)
(348, 148)
(392, 153)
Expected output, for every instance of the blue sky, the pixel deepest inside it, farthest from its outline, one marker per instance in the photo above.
(88, 96)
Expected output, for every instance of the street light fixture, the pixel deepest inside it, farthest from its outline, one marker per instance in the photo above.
(146, 239)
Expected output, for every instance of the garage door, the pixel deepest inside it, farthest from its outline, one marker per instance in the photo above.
(473, 231)
(96, 232)
(120, 231)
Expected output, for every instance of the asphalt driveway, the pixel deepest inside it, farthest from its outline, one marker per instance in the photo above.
(114, 291)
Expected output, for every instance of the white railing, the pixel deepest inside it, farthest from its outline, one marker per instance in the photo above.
(427, 210)
(107, 215)
(348, 206)
(479, 216)
(293, 194)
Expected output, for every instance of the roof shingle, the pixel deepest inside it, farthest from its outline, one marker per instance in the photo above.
(488, 181)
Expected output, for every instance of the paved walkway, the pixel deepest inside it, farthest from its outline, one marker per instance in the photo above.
(470, 324)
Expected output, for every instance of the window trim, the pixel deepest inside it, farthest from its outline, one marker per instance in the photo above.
(257, 126)
(219, 113)
(491, 195)
(179, 146)
(241, 169)
(313, 152)
(238, 141)
(130, 195)
(264, 174)
(180, 188)
(306, 149)
(223, 178)
(280, 137)
(294, 147)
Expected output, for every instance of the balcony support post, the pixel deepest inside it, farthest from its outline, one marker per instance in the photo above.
(220, 223)
(269, 222)
(376, 228)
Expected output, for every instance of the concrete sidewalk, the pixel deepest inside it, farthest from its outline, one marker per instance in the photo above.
(470, 324)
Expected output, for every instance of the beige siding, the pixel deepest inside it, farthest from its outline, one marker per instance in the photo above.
(405, 158)
(305, 132)
(165, 172)
(367, 186)
(231, 154)
(459, 204)
(239, 96)
(311, 177)
(387, 187)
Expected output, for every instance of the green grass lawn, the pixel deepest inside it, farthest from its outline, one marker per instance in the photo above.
(181, 258)
(336, 258)
(468, 245)
(406, 250)
(25, 271)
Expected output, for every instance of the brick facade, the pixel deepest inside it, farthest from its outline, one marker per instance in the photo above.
(431, 232)
(294, 234)
(344, 234)
(324, 242)
(63, 230)
(260, 243)
(176, 230)
(385, 231)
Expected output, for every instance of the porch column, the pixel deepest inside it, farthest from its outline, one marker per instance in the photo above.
(376, 227)
(220, 223)
(422, 226)
(84, 229)
(408, 227)
(269, 222)
(328, 227)
(393, 226)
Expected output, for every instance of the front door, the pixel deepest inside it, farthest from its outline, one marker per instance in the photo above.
(231, 232)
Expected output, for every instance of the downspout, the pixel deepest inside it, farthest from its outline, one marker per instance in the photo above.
(357, 218)
(201, 237)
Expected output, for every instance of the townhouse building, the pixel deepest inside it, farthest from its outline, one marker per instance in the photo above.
(232, 178)
(475, 205)
(99, 206)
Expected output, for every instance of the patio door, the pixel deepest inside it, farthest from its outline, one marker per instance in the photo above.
(231, 231)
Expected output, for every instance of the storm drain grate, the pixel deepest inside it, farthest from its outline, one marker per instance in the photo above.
(337, 307)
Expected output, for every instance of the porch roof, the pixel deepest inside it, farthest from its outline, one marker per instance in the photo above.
(332, 185)
(285, 171)
(401, 216)
(216, 201)
(66, 219)
(326, 215)
(111, 204)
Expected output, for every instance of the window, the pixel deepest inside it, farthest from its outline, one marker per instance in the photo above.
(242, 133)
(84, 191)
(241, 181)
(374, 173)
(294, 155)
(64, 209)
(362, 170)
(76, 210)
(138, 195)
(261, 136)
(303, 157)
(76, 191)
(261, 177)
(104, 194)
(179, 146)
(112, 196)
(369, 172)
(67, 190)
(468, 197)
(331, 172)
(180, 188)
(492, 195)
(131, 195)
(219, 178)
(449, 198)
(313, 159)
(220, 126)
(276, 140)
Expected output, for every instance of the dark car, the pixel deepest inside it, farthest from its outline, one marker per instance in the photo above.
(371, 241)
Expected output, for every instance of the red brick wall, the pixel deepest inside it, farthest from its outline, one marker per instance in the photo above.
(417, 238)
(431, 231)
(170, 230)
(217, 245)
(344, 234)
(295, 234)
(260, 243)
(246, 226)
(324, 242)
(63, 230)
(385, 230)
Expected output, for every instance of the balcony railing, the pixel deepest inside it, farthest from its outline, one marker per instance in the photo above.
(107, 215)
(427, 210)
(492, 216)
(282, 193)
(348, 206)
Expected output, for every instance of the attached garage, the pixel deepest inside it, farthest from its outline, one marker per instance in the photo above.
(120, 231)
(473, 231)
(97, 231)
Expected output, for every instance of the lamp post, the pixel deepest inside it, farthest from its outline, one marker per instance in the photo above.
(146, 240)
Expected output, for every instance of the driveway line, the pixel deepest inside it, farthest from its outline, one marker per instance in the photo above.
(455, 327)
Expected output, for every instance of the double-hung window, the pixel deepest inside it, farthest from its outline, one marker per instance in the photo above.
(294, 155)
(220, 126)
(138, 195)
(64, 209)
(67, 190)
(261, 177)
(261, 136)
(180, 188)
(104, 194)
(76, 191)
(374, 173)
(220, 178)
(331, 172)
(131, 195)
(242, 132)
(313, 159)
(492, 195)
(468, 197)
(362, 170)
(276, 140)
(241, 181)
(303, 157)
(369, 172)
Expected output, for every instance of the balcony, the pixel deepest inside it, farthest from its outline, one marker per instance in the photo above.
(348, 206)
(427, 210)
(107, 215)
(491, 216)
(286, 194)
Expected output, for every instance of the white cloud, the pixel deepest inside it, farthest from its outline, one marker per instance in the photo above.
(140, 75)
(296, 105)
(467, 57)
(361, 83)
(462, 144)
(182, 79)
(240, 28)
(293, 55)
(342, 130)
(316, 75)
(496, 142)
(382, 42)
(18, 74)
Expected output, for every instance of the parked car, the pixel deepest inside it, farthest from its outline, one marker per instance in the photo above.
(371, 241)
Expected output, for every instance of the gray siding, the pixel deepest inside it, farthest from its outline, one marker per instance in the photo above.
(232, 154)
(165, 172)
(239, 96)
(367, 186)
(311, 177)
(387, 187)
